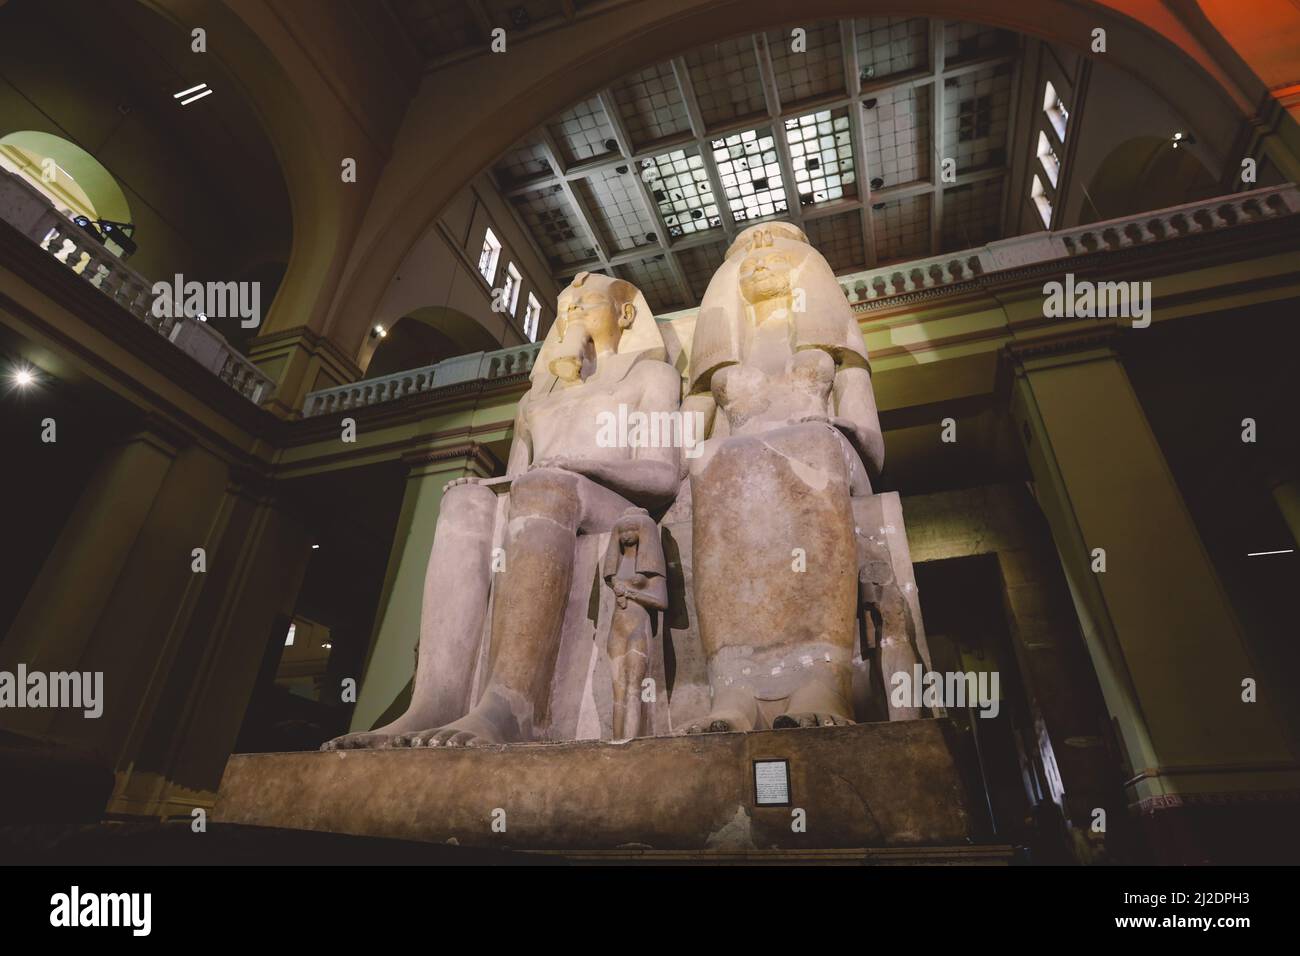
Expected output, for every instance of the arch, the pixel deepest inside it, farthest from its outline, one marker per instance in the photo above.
(426, 336)
(87, 188)
(202, 184)
(1146, 172)
(443, 145)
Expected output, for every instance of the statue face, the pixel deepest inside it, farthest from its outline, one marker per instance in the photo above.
(592, 309)
(765, 275)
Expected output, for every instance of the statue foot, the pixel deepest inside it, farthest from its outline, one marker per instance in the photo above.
(472, 730)
(810, 719)
(720, 722)
(367, 740)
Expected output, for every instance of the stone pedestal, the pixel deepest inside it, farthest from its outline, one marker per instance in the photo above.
(888, 784)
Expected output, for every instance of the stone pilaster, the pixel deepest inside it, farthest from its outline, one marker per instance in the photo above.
(391, 660)
(1164, 641)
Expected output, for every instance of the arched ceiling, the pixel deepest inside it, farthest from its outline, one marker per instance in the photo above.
(442, 145)
(841, 128)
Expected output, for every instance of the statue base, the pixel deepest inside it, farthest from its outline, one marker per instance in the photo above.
(890, 784)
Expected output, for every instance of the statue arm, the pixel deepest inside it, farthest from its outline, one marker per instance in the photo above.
(653, 595)
(857, 417)
(521, 447)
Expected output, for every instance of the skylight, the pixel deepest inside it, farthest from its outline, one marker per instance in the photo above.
(680, 186)
(821, 152)
(750, 174)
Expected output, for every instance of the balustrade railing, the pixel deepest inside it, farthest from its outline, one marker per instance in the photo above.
(27, 209)
(503, 363)
(1211, 215)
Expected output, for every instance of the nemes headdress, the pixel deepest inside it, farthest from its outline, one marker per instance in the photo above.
(821, 316)
(642, 339)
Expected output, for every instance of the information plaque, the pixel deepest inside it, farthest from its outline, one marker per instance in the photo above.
(772, 783)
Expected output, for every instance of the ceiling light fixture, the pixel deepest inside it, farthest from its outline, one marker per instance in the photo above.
(195, 90)
(1260, 554)
(23, 377)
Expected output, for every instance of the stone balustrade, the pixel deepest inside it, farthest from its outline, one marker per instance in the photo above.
(1211, 215)
(28, 210)
(503, 363)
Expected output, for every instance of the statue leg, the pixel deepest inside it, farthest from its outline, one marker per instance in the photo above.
(629, 639)
(776, 577)
(456, 586)
(548, 509)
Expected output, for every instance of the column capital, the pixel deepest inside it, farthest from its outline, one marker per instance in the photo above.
(470, 455)
(1067, 348)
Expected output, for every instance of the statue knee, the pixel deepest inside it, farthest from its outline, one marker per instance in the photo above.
(546, 492)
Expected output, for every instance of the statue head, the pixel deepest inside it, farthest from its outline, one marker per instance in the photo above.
(763, 235)
(598, 318)
(604, 307)
(765, 274)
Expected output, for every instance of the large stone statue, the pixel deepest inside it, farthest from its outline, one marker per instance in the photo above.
(603, 351)
(779, 361)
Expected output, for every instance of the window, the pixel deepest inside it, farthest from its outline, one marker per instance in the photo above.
(288, 638)
(487, 259)
(511, 288)
(1043, 201)
(532, 317)
(1047, 156)
(1055, 109)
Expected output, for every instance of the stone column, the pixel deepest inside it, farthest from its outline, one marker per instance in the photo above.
(55, 628)
(390, 663)
(300, 361)
(1164, 641)
(195, 702)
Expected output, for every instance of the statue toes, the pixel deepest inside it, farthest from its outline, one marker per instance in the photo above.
(719, 726)
(462, 739)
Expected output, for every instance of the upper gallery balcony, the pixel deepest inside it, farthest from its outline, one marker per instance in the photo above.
(28, 210)
(897, 283)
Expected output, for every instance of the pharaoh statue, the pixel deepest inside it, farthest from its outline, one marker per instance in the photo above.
(636, 571)
(779, 364)
(604, 350)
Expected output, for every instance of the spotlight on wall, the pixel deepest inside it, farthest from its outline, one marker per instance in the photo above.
(1182, 139)
(378, 332)
(315, 547)
(23, 376)
(327, 645)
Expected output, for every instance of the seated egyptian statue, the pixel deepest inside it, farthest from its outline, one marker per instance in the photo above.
(604, 351)
(779, 363)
